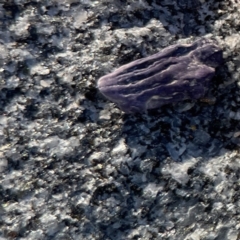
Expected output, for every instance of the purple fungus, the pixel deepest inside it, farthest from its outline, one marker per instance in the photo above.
(176, 73)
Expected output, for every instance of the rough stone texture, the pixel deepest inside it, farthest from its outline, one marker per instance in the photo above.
(174, 74)
(72, 166)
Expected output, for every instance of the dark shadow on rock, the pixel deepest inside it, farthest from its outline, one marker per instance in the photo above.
(182, 18)
(201, 131)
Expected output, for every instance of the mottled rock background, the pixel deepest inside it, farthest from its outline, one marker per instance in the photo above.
(73, 166)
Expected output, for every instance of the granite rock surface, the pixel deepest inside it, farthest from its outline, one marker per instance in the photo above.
(73, 166)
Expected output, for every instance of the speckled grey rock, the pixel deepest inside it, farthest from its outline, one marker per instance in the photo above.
(176, 73)
(72, 170)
